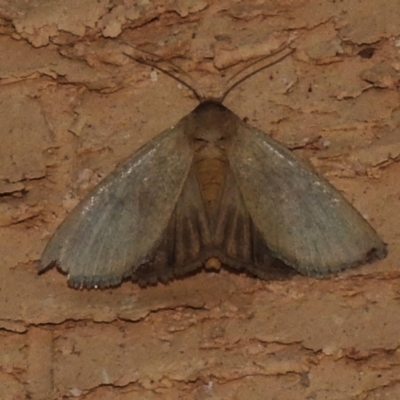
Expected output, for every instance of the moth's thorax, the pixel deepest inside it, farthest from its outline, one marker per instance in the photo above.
(211, 122)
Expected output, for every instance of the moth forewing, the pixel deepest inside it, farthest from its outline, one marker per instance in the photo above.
(118, 226)
(304, 220)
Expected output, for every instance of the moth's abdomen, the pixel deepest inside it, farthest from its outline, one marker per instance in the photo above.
(211, 174)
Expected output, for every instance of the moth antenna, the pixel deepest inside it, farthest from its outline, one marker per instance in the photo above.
(223, 97)
(262, 58)
(168, 73)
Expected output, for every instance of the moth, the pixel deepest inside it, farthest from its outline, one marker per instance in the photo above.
(210, 187)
